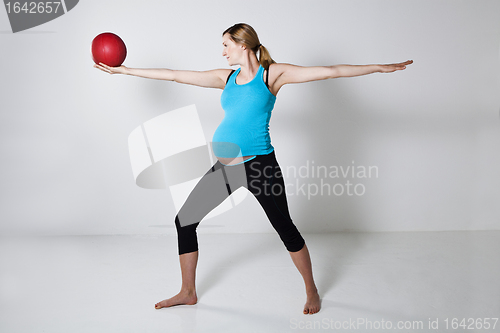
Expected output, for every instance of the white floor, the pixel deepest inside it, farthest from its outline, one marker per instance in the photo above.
(247, 283)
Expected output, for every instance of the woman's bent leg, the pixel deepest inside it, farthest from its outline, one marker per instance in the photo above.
(208, 193)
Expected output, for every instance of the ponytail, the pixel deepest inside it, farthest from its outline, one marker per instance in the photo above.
(265, 58)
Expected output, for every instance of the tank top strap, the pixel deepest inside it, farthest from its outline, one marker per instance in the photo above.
(229, 76)
(261, 72)
(267, 77)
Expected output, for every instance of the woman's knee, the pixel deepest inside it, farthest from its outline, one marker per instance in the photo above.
(187, 239)
(291, 237)
(296, 244)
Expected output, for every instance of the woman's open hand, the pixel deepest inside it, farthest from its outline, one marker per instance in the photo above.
(394, 67)
(111, 70)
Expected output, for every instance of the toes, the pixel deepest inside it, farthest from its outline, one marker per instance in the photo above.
(311, 310)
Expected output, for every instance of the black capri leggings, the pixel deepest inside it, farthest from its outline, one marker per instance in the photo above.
(261, 176)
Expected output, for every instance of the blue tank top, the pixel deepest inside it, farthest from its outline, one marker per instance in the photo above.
(247, 108)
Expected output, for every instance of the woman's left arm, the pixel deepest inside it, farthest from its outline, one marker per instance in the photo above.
(357, 70)
(288, 73)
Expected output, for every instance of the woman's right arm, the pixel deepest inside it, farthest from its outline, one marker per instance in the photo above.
(209, 79)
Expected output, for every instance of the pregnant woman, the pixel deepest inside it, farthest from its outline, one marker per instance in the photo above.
(242, 145)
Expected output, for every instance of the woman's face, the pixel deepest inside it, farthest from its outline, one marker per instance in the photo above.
(231, 50)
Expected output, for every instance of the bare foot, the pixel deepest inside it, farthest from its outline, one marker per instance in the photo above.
(313, 303)
(183, 297)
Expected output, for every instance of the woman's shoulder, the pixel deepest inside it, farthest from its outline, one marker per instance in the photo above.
(280, 65)
(277, 69)
(275, 66)
(222, 73)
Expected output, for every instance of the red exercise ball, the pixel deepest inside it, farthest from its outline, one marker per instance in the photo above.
(109, 49)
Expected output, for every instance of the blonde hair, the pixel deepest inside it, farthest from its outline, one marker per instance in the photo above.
(244, 34)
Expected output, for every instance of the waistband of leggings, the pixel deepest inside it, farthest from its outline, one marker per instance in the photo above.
(263, 158)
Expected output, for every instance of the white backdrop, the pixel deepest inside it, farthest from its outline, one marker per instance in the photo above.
(432, 132)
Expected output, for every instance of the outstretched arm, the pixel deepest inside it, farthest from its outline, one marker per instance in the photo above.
(209, 79)
(357, 70)
(287, 73)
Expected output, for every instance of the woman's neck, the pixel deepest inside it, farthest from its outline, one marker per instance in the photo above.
(249, 68)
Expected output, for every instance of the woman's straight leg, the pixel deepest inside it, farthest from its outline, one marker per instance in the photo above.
(267, 184)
